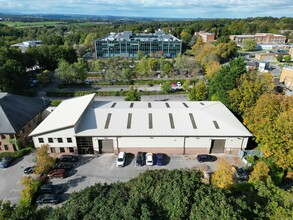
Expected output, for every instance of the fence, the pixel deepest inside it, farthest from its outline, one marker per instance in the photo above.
(244, 153)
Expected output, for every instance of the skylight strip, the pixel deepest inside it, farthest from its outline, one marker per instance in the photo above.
(192, 121)
(129, 121)
(108, 121)
(171, 121)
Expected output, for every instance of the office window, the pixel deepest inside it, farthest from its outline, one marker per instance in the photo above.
(41, 140)
(53, 150)
(5, 147)
(71, 149)
(50, 140)
(62, 150)
(69, 140)
(59, 140)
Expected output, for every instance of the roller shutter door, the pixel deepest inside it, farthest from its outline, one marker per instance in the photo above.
(218, 146)
(107, 146)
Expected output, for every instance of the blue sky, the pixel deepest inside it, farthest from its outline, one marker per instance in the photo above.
(154, 8)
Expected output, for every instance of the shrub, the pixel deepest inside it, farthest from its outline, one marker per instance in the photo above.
(55, 102)
(16, 154)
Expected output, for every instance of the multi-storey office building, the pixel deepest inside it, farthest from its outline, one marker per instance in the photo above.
(128, 44)
(260, 38)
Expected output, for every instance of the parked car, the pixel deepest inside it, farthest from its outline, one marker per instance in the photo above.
(140, 159)
(160, 159)
(68, 158)
(29, 170)
(240, 173)
(149, 159)
(63, 165)
(51, 189)
(121, 159)
(5, 162)
(57, 173)
(206, 158)
(48, 198)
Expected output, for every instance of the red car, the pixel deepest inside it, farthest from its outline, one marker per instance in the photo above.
(57, 173)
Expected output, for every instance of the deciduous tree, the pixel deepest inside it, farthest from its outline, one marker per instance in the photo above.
(132, 95)
(271, 124)
(198, 92)
(250, 86)
(225, 80)
(43, 161)
(287, 58)
(212, 67)
(223, 175)
(260, 172)
(30, 190)
(280, 57)
(249, 44)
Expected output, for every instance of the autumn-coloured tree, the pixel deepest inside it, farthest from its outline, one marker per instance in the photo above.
(198, 92)
(212, 67)
(260, 172)
(207, 54)
(28, 194)
(249, 88)
(197, 47)
(271, 123)
(223, 175)
(43, 161)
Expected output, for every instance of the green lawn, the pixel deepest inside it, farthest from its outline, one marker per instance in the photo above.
(30, 24)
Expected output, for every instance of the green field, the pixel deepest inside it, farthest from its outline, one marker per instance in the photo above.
(31, 24)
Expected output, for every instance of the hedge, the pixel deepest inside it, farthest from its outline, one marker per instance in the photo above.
(16, 154)
(104, 93)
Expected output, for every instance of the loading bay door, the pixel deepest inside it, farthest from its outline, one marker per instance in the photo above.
(218, 146)
(106, 146)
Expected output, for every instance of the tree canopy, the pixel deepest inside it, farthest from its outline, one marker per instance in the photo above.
(271, 123)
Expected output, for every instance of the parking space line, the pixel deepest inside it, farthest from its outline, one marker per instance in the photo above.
(15, 190)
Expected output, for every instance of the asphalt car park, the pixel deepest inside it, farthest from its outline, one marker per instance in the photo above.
(10, 178)
(93, 169)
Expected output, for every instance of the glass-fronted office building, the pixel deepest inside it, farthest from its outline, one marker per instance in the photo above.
(127, 44)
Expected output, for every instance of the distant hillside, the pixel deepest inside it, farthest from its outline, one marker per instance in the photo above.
(62, 17)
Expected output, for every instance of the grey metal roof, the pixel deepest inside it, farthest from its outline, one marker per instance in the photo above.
(16, 111)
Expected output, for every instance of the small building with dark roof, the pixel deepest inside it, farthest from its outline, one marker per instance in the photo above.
(19, 115)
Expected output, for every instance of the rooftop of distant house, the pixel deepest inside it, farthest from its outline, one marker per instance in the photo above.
(28, 43)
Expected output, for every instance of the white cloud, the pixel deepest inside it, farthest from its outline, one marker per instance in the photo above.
(159, 8)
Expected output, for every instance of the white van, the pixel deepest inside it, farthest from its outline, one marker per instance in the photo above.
(121, 159)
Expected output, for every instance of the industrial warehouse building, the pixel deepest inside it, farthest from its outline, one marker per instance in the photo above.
(85, 126)
(128, 44)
